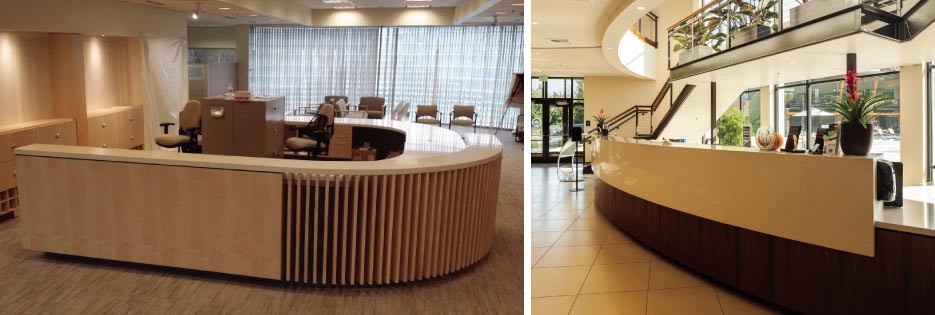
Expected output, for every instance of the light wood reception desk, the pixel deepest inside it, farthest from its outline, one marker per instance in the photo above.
(425, 213)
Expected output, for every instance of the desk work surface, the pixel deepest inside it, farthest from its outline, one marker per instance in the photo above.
(428, 148)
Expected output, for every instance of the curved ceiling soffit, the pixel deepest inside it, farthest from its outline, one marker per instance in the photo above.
(626, 16)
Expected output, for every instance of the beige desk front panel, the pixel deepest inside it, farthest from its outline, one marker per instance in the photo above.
(205, 219)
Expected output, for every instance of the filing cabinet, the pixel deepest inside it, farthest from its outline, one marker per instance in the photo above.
(118, 127)
(243, 128)
(341, 142)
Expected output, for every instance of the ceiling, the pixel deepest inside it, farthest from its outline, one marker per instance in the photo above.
(582, 23)
(211, 12)
(504, 12)
(319, 4)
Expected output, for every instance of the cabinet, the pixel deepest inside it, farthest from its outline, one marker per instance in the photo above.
(341, 142)
(243, 128)
(47, 131)
(117, 127)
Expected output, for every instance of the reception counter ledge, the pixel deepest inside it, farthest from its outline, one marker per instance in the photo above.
(423, 214)
(794, 230)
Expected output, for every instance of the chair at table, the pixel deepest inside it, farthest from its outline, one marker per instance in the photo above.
(315, 137)
(463, 115)
(189, 130)
(375, 107)
(428, 114)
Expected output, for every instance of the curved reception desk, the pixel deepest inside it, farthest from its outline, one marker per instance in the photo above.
(425, 213)
(799, 231)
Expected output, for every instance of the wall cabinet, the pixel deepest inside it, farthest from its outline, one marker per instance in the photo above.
(118, 127)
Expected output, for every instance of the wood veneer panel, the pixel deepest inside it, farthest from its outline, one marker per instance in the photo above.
(68, 86)
(804, 278)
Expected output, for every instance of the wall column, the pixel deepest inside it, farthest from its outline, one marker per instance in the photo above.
(912, 109)
(68, 88)
(243, 57)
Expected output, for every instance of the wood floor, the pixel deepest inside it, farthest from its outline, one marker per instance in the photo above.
(33, 283)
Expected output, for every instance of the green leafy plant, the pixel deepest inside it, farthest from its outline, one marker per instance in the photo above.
(730, 128)
(856, 108)
(700, 32)
(600, 119)
(762, 13)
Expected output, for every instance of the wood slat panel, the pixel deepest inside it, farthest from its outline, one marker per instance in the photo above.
(381, 229)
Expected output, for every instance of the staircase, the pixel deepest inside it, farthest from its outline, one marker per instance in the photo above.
(641, 116)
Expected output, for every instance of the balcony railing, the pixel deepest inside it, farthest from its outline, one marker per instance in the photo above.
(646, 28)
(726, 24)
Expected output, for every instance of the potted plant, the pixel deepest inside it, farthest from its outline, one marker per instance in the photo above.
(600, 120)
(752, 21)
(698, 38)
(856, 120)
(808, 10)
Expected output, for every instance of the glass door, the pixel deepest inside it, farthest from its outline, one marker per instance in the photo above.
(557, 106)
(537, 134)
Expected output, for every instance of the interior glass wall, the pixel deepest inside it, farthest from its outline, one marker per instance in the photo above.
(446, 66)
(748, 105)
(806, 104)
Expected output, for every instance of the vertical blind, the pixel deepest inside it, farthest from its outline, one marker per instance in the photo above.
(446, 66)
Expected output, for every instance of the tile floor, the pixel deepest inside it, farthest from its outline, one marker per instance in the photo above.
(582, 264)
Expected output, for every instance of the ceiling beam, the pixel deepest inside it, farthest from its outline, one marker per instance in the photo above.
(469, 9)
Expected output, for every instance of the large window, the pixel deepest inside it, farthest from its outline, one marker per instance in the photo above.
(806, 104)
(469, 65)
(747, 106)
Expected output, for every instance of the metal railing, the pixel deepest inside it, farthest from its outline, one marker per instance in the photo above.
(726, 24)
(646, 29)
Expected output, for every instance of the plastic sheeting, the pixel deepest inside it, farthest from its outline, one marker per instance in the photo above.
(165, 85)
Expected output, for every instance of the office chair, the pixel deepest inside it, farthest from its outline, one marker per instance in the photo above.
(428, 114)
(468, 115)
(189, 130)
(316, 136)
(374, 106)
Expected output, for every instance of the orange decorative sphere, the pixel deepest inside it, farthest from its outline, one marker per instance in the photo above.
(778, 143)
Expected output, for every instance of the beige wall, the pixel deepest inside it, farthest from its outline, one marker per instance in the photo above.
(91, 17)
(912, 142)
(25, 77)
(212, 37)
(243, 57)
(384, 17)
(112, 72)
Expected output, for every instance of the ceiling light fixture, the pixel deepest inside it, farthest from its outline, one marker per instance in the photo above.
(197, 8)
(254, 15)
(500, 12)
(416, 6)
(342, 7)
(418, 0)
(333, 1)
(535, 23)
(224, 9)
(640, 8)
(518, 4)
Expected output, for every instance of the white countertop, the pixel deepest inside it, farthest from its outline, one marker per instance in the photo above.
(917, 214)
(427, 149)
(717, 147)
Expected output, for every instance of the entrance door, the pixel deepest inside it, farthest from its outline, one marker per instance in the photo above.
(552, 120)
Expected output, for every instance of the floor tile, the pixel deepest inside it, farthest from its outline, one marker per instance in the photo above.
(569, 256)
(558, 281)
(592, 224)
(558, 305)
(622, 253)
(560, 214)
(695, 301)
(665, 275)
(621, 303)
(735, 304)
(615, 236)
(617, 278)
(577, 238)
(544, 239)
(537, 253)
(551, 225)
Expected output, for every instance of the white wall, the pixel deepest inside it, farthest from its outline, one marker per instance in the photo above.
(90, 17)
(212, 37)
(912, 142)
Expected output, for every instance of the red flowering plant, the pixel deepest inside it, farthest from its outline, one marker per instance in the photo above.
(600, 119)
(856, 108)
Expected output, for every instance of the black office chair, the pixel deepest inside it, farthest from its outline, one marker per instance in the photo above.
(315, 137)
(189, 130)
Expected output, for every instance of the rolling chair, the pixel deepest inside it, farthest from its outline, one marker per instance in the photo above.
(316, 136)
(189, 130)
(370, 104)
(428, 114)
(468, 115)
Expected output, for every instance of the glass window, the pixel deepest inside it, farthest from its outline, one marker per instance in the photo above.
(793, 105)
(886, 126)
(821, 113)
(578, 91)
(556, 88)
(536, 122)
(536, 88)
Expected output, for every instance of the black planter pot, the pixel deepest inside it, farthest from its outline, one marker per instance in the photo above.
(856, 139)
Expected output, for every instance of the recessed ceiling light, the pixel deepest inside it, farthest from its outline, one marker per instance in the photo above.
(792, 62)
(418, 0)
(225, 9)
(500, 12)
(535, 23)
(254, 15)
(416, 6)
(610, 48)
(342, 7)
(518, 4)
(333, 1)
(640, 8)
